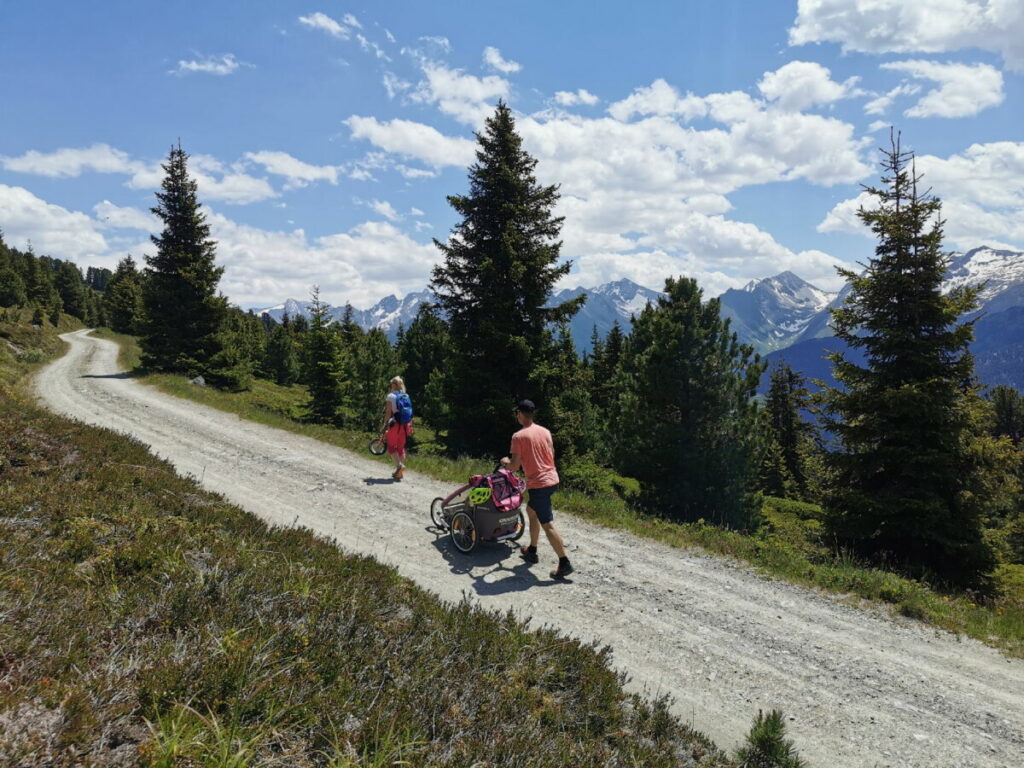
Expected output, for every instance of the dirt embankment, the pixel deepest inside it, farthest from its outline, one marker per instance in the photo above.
(859, 688)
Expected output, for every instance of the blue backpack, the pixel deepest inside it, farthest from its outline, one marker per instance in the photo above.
(403, 408)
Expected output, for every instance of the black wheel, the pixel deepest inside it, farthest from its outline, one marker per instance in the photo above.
(463, 532)
(437, 513)
(522, 527)
(378, 446)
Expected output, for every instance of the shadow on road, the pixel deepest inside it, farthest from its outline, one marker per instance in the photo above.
(121, 375)
(379, 480)
(487, 566)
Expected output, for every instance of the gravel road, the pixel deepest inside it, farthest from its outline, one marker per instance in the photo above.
(858, 688)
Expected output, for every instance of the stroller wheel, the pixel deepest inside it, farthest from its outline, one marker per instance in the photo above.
(522, 527)
(463, 532)
(378, 446)
(437, 513)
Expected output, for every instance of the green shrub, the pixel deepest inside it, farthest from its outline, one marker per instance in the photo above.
(767, 746)
(588, 477)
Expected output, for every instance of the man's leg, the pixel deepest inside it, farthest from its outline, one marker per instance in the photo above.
(534, 526)
(555, 539)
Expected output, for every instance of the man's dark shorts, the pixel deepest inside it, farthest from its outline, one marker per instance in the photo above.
(540, 502)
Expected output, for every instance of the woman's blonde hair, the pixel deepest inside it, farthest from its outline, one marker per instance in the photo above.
(398, 380)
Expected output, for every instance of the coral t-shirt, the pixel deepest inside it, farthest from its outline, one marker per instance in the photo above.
(535, 450)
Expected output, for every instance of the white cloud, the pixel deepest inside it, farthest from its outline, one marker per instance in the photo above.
(436, 41)
(572, 98)
(324, 22)
(297, 173)
(659, 98)
(879, 105)
(223, 64)
(898, 26)
(416, 212)
(493, 59)
(414, 140)
(100, 158)
(982, 193)
(351, 20)
(467, 98)
(110, 216)
(371, 47)
(878, 125)
(395, 85)
(800, 85)
(385, 209)
(52, 229)
(371, 260)
(964, 89)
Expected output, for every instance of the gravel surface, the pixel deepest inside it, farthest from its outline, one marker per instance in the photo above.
(858, 688)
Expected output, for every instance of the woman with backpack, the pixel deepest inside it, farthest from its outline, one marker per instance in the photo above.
(398, 421)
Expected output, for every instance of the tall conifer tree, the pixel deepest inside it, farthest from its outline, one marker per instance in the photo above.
(183, 311)
(323, 369)
(684, 423)
(123, 297)
(907, 482)
(500, 265)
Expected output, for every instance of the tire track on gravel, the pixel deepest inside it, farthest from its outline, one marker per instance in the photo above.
(860, 688)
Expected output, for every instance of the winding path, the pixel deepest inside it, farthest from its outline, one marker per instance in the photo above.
(859, 688)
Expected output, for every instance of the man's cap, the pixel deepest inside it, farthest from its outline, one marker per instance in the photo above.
(526, 406)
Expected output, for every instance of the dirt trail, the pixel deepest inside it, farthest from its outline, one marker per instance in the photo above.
(858, 688)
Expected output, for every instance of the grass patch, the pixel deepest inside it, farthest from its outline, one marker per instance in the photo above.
(789, 546)
(147, 622)
(25, 347)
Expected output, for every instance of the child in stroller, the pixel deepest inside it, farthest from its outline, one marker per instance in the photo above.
(487, 508)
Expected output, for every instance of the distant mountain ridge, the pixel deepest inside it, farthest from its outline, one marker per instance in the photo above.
(771, 314)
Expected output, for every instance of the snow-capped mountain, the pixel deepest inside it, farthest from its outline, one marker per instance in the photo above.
(606, 304)
(387, 314)
(1000, 271)
(770, 314)
(773, 312)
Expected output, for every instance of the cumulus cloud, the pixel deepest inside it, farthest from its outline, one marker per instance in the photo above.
(982, 193)
(964, 89)
(897, 26)
(800, 85)
(111, 216)
(572, 98)
(659, 98)
(467, 98)
(70, 162)
(223, 64)
(325, 23)
(385, 209)
(881, 104)
(413, 140)
(371, 260)
(52, 229)
(493, 59)
(297, 173)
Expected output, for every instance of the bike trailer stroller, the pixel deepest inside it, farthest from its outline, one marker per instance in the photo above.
(487, 508)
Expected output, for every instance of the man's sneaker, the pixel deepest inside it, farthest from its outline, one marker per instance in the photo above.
(529, 554)
(564, 569)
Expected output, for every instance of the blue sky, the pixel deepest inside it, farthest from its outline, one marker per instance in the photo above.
(723, 140)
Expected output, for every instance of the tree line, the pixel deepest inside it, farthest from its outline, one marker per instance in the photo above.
(911, 463)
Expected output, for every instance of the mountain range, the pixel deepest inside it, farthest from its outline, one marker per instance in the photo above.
(782, 316)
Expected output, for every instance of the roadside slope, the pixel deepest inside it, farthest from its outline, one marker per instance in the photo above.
(861, 689)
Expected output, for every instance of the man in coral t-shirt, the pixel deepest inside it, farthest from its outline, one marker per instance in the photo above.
(533, 451)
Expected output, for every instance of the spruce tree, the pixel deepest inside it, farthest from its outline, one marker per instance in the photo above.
(183, 311)
(500, 265)
(908, 483)
(1008, 407)
(373, 363)
(281, 362)
(424, 353)
(685, 422)
(123, 297)
(323, 366)
(787, 433)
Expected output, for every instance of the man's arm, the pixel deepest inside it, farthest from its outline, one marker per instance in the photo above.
(512, 462)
